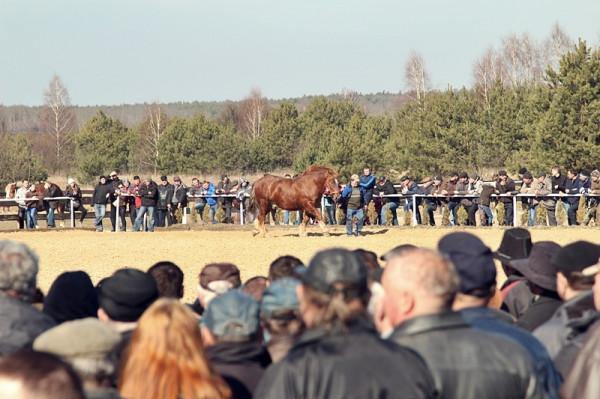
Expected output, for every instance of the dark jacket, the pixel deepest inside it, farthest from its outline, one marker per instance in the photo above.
(20, 324)
(241, 364)
(149, 194)
(516, 296)
(179, 196)
(165, 196)
(572, 186)
(367, 182)
(386, 188)
(539, 311)
(583, 381)
(558, 184)
(563, 334)
(467, 363)
(347, 192)
(102, 194)
(508, 188)
(500, 323)
(354, 363)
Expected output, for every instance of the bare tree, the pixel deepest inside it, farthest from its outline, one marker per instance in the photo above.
(58, 119)
(151, 132)
(352, 96)
(488, 71)
(253, 110)
(415, 75)
(556, 45)
(523, 60)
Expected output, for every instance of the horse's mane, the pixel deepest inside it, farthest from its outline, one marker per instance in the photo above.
(318, 169)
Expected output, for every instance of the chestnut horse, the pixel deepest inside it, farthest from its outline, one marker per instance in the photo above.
(50, 190)
(302, 193)
(10, 191)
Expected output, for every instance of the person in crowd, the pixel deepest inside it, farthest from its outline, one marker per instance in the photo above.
(231, 333)
(505, 186)
(340, 355)
(114, 182)
(136, 200)
(591, 202)
(169, 279)
(563, 334)
(71, 296)
(354, 197)
(420, 288)
(32, 201)
(582, 381)
(543, 188)
(123, 298)
(20, 196)
(28, 374)
(284, 266)
(330, 207)
(164, 201)
(280, 317)
(87, 345)
(529, 186)
(474, 263)
(449, 188)
(166, 357)
(463, 187)
(74, 191)
(367, 182)
(573, 187)
(100, 198)
(515, 293)
(179, 200)
(432, 204)
(540, 277)
(51, 191)
(427, 187)
(226, 187)
(409, 189)
(243, 196)
(215, 279)
(209, 191)
(485, 191)
(255, 287)
(559, 182)
(149, 194)
(286, 213)
(121, 199)
(385, 187)
(195, 192)
(21, 322)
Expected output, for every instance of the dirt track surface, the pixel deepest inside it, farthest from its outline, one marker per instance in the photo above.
(100, 254)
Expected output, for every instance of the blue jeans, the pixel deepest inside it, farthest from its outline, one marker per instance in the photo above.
(489, 216)
(330, 211)
(100, 211)
(31, 216)
(139, 220)
(392, 206)
(452, 207)
(532, 216)
(50, 217)
(212, 211)
(286, 217)
(360, 218)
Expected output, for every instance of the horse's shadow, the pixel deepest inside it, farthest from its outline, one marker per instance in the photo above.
(338, 234)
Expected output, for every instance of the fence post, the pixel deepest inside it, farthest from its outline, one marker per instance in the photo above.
(242, 210)
(414, 209)
(72, 213)
(184, 216)
(117, 215)
(515, 216)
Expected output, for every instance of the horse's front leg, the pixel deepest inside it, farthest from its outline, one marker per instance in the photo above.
(303, 224)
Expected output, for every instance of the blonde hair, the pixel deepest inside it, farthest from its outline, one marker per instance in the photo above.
(166, 360)
(354, 177)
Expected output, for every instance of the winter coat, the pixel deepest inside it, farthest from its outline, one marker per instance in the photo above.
(583, 381)
(467, 363)
(20, 324)
(347, 192)
(209, 193)
(165, 196)
(149, 194)
(350, 363)
(386, 188)
(499, 323)
(558, 184)
(485, 196)
(508, 188)
(179, 196)
(241, 364)
(367, 182)
(545, 188)
(563, 334)
(573, 186)
(539, 310)
(101, 194)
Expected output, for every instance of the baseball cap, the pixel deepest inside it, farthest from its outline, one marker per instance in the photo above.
(126, 294)
(336, 265)
(472, 259)
(232, 316)
(220, 272)
(577, 257)
(280, 295)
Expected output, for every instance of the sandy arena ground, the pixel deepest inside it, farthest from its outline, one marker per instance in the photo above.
(100, 254)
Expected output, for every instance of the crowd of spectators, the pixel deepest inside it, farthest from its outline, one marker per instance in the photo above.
(431, 323)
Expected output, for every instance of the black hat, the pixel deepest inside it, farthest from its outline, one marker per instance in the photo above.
(538, 268)
(336, 265)
(584, 172)
(516, 244)
(576, 257)
(125, 295)
(472, 259)
(163, 178)
(71, 296)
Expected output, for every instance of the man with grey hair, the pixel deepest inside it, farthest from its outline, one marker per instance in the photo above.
(420, 286)
(21, 322)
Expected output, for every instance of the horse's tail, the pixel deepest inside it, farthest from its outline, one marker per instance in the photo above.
(252, 203)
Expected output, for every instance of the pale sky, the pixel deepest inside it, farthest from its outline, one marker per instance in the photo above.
(127, 51)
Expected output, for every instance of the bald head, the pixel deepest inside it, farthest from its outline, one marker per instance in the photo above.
(418, 282)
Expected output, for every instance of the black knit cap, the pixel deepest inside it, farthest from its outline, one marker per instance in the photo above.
(126, 294)
(72, 296)
(336, 265)
(576, 257)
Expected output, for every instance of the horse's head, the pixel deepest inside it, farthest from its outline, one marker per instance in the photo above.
(332, 185)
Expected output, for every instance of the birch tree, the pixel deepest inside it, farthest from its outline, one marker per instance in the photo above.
(151, 132)
(415, 75)
(254, 109)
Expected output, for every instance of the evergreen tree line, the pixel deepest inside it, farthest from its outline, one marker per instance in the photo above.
(555, 121)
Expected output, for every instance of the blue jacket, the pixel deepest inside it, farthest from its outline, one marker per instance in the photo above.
(494, 322)
(345, 196)
(210, 200)
(367, 182)
(573, 187)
